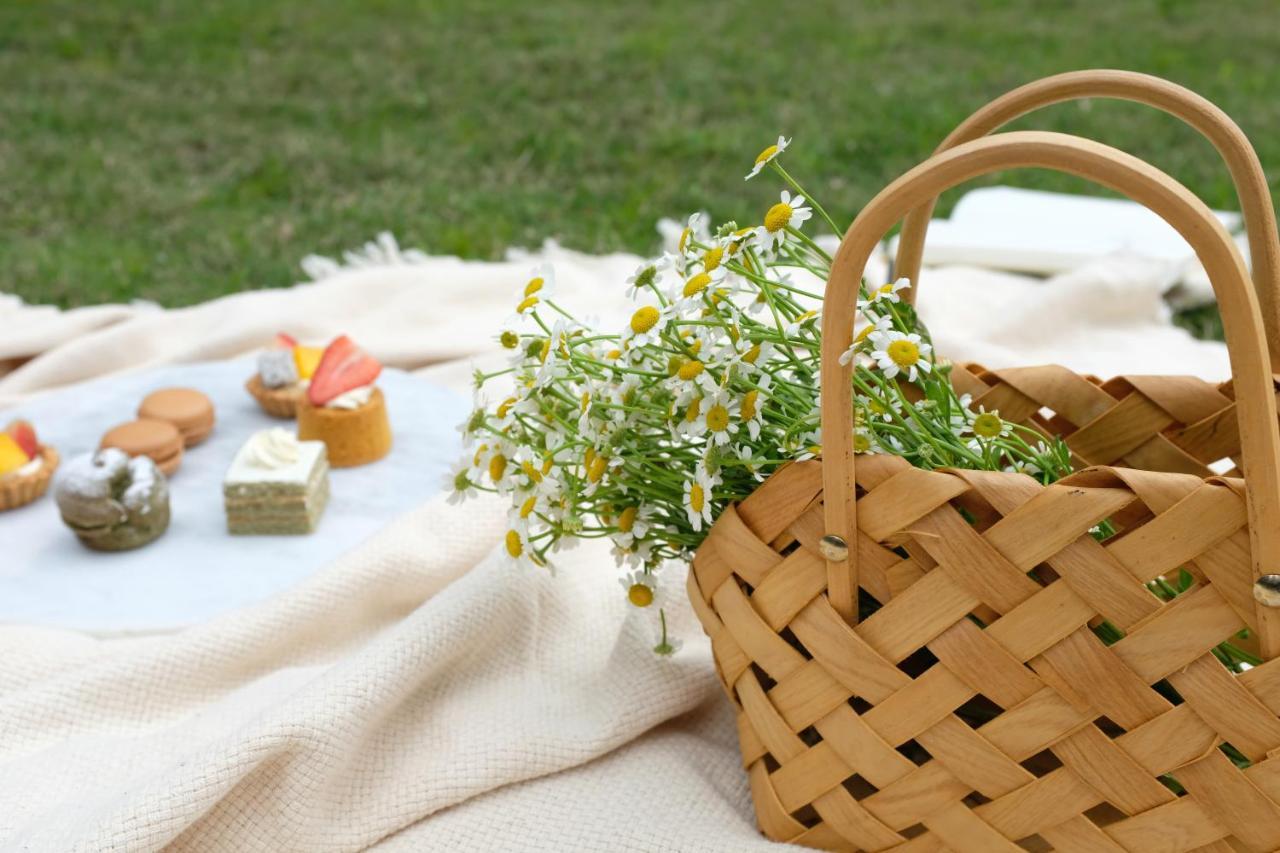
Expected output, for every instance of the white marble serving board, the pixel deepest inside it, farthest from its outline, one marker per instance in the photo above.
(197, 570)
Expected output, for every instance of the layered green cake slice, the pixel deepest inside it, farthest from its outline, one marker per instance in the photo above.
(276, 485)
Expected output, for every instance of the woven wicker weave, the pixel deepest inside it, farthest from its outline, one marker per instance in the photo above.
(976, 709)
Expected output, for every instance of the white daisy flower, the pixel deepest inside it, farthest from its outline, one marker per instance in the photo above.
(755, 356)
(645, 326)
(642, 589)
(637, 556)
(633, 523)
(876, 326)
(459, 484)
(542, 282)
(887, 293)
(647, 276)
(790, 212)
(793, 328)
(697, 497)
(695, 231)
(747, 456)
(695, 288)
(896, 352)
(989, 425)
(809, 446)
(516, 548)
(497, 464)
(717, 417)
(751, 406)
(767, 155)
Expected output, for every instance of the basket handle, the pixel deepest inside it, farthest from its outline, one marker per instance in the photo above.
(1226, 136)
(1145, 184)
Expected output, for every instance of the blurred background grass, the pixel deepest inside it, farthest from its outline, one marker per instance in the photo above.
(177, 151)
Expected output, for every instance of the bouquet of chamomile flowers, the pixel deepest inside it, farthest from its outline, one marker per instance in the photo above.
(641, 435)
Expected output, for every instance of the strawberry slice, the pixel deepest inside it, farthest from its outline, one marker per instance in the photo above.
(24, 434)
(342, 367)
(285, 341)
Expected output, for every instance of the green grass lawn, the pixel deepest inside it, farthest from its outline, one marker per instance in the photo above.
(176, 151)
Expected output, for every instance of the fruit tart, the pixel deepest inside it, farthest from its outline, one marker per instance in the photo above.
(26, 466)
(284, 371)
(344, 409)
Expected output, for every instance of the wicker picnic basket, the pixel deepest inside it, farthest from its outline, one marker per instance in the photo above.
(974, 709)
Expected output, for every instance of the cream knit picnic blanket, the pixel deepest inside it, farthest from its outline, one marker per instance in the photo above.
(417, 693)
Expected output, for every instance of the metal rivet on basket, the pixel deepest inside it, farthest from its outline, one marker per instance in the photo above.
(834, 548)
(1266, 590)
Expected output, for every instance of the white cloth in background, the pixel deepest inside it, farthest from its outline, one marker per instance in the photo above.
(418, 693)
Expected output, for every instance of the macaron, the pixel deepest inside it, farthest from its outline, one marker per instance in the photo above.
(148, 437)
(186, 408)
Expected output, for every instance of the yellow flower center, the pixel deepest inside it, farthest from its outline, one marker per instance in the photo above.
(546, 465)
(589, 456)
(510, 340)
(534, 285)
(691, 370)
(526, 508)
(596, 469)
(749, 404)
(767, 153)
(695, 347)
(777, 217)
(697, 497)
(717, 418)
(862, 336)
(544, 350)
(752, 354)
(987, 425)
(514, 546)
(644, 319)
(903, 353)
(695, 409)
(711, 259)
(497, 465)
(627, 520)
(684, 239)
(480, 451)
(526, 303)
(613, 354)
(861, 444)
(584, 403)
(697, 284)
(531, 472)
(506, 406)
(640, 595)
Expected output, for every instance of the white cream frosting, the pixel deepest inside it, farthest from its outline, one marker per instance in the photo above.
(353, 399)
(26, 470)
(272, 449)
(246, 470)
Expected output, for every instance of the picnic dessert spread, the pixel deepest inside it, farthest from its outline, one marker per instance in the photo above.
(159, 440)
(113, 502)
(284, 371)
(276, 485)
(186, 408)
(26, 466)
(344, 409)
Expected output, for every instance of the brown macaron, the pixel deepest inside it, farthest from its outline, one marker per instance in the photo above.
(186, 408)
(146, 437)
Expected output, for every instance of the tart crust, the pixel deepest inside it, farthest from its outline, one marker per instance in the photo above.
(277, 402)
(22, 490)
